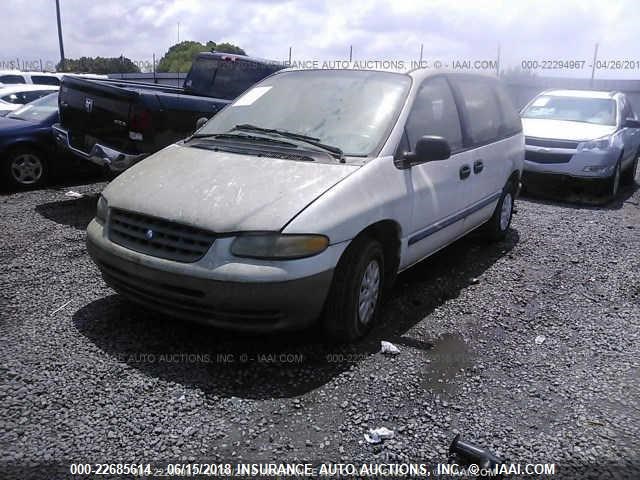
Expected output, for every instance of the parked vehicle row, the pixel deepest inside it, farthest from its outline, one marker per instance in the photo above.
(308, 194)
(16, 77)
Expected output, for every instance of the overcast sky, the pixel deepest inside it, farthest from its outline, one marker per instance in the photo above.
(377, 29)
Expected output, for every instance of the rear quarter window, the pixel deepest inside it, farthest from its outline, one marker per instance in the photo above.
(511, 123)
(480, 103)
(45, 80)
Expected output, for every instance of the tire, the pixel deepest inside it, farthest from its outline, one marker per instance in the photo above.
(498, 225)
(25, 167)
(629, 175)
(613, 183)
(358, 278)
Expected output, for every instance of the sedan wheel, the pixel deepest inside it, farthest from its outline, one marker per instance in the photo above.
(25, 168)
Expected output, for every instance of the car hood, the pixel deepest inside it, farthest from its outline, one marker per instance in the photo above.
(222, 192)
(564, 130)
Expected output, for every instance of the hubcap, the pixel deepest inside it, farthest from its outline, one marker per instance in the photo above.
(369, 289)
(505, 213)
(26, 168)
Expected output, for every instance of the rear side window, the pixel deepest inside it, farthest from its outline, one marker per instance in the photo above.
(511, 123)
(482, 109)
(12, 79)
(434, 113)
(45, 80)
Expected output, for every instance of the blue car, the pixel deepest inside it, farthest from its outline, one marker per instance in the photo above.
(26, 143)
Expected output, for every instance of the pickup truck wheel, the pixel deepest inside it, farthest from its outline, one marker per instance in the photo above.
(354, 299)
(629, 175)
(498, 225)
(25, 167)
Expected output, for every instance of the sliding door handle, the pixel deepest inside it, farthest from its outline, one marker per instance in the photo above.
(465, 171)
(478, 166)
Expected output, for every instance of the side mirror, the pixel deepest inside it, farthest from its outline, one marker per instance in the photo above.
(200, 123)
(428, 149)
(631, 123)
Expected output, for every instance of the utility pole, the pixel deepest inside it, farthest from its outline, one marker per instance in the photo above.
(593, 67)
(498, 62)
(289, 57)
(421, 52)
(350, 53)
(60, 35)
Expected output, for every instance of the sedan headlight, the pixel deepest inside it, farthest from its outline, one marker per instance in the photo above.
(101, 210)
(278, 246)
(598, 144)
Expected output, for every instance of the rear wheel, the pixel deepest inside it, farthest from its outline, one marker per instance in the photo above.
(354, 299)
(25, 167)
(629, 175)
(498, 226)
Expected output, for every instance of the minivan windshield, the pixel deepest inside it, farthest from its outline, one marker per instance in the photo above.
(352, 110)
(601, 111)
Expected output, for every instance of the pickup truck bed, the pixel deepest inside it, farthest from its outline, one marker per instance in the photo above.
(117, 123)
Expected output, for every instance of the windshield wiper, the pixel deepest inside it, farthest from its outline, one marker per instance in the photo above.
(294, 136)
(241, 137)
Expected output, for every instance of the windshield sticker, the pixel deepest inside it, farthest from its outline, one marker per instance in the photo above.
(251, 96)
(540, 102)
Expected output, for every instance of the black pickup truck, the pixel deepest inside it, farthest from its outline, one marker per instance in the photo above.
(117, 123)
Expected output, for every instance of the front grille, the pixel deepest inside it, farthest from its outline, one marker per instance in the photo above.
(158, 237)
(547, 157)
(551, 143)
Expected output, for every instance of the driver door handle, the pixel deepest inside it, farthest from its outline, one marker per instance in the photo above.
(465, 171)
(478, 166)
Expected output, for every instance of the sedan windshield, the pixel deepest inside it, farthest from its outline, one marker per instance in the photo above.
(347, 109)
(37, 110)
(601, 111)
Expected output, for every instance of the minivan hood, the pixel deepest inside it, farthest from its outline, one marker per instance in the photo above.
(220, 191)
(564, 130)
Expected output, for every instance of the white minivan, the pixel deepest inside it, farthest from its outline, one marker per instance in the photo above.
(305, 197)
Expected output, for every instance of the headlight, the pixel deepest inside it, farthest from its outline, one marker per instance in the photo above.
(598, 168)
(598, 144)
(101, 210)
(277, 246)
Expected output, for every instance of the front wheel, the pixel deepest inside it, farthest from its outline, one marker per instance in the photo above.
(498, 225)
(613, 184)
(354, 299)
(629, 175)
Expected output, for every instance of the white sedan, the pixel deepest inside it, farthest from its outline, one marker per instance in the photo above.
(14, 96)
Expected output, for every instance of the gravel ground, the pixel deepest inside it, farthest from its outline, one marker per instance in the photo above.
(88, 378)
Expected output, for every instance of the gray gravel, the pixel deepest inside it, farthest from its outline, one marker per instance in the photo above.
(101, 381)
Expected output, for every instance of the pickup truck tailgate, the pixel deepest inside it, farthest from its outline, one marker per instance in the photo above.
(93, 110)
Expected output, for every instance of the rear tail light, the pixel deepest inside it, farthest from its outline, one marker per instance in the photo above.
(140, 121)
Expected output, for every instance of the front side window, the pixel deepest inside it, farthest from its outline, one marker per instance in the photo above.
(353, 110)
(483, 115)
(434, 113)
(600, 111)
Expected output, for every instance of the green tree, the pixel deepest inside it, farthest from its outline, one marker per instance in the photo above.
(180, 55)
(100, 65)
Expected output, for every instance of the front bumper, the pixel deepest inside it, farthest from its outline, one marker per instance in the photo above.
(101, 155)
(180, 289)
(570, 162)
